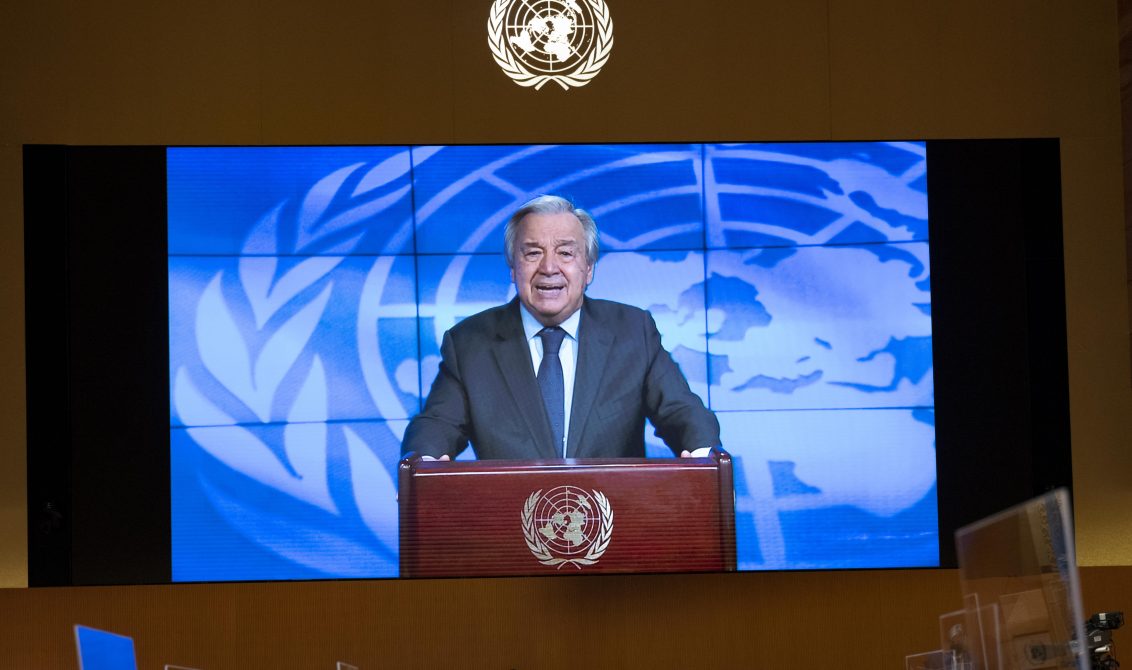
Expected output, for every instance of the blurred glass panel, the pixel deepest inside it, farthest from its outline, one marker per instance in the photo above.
(1022, 560)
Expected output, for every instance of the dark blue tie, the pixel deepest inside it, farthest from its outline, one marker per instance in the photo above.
(550, 381)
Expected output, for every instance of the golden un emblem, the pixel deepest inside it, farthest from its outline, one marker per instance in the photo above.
(567, 526)
(564, 41)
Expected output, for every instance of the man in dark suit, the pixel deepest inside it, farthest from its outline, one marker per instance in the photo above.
(554, 374)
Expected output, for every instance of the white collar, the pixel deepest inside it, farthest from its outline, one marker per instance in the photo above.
(531, 325)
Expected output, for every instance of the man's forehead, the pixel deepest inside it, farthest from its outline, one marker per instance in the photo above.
(559, 223)
(558, 242)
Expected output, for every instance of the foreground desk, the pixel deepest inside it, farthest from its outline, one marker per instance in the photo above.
(479, 518)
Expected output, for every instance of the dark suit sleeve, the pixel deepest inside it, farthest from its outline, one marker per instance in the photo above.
(443, 426)
(678, 414)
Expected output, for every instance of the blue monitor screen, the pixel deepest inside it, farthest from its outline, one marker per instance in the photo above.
(99, 650)
(310, 287)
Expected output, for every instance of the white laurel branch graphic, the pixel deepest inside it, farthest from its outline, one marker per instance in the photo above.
(514, 68)
(268, 290)
(243, 451)
(225, 343)
(602, 542)
(225, 352)
(375, 492)
(497, 42)
(530, 534)
(317, 227)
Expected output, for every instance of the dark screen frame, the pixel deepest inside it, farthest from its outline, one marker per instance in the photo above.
(96, 291)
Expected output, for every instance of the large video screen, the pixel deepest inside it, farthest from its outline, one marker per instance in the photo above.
(310, 287)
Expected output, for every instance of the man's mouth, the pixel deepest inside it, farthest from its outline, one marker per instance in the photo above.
(549, 290)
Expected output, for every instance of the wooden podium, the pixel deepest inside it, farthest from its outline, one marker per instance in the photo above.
(479, 518)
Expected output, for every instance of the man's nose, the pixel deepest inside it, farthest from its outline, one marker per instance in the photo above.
(548, 265)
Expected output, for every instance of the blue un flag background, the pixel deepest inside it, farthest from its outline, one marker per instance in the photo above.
(310, 288)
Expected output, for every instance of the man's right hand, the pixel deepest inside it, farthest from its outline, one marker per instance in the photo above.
(431, 458)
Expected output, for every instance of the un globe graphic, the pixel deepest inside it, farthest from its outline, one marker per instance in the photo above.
(780, 325)
(550, 36)
(809, 341)
(567, 520)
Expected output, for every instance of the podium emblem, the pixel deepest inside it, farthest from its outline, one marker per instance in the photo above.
(567, 526)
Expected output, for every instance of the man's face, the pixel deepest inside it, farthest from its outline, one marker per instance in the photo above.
(550, 268)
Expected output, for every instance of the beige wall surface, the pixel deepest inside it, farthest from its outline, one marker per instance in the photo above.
(301, 72)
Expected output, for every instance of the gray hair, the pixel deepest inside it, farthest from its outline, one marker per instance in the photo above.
(550, 204)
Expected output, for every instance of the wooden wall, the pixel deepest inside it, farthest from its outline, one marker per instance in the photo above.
(862, 619)
(352, 71)
(1125, 23)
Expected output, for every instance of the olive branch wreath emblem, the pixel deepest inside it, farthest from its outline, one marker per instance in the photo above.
(518, 72)
(542, 552)
(287, 303)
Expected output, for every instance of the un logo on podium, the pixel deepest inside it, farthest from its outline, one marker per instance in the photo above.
(564, 41)
(567, 526)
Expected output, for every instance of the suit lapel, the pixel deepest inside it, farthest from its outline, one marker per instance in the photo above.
(594, 343)
(513, 355)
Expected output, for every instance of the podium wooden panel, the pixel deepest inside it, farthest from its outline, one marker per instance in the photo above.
(566, 516)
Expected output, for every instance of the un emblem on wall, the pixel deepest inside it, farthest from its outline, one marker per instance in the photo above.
(564, 41)
(567, 525)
